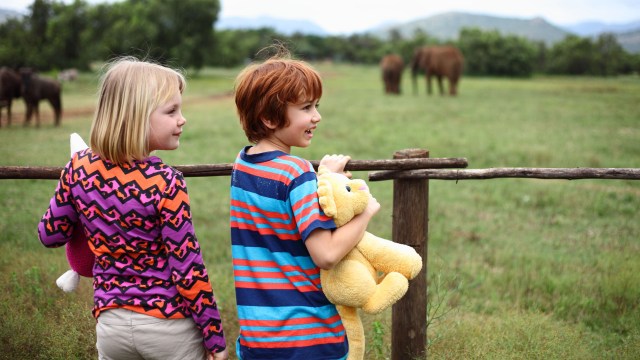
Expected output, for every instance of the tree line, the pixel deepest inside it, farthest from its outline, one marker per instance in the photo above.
(55, 36)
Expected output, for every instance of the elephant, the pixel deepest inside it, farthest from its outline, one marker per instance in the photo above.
(438, 61)
(36, 88)
(9, 89)
(392, 66)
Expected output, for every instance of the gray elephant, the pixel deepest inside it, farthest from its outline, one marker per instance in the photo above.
(438, 61)
(36, 88)
(9, 90)
(391, 66)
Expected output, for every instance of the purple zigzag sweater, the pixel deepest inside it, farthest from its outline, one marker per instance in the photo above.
(138, 221)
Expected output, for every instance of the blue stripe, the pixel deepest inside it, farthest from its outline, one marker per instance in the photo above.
(286, 312)
(253, 198)
(327, 351)
(251, 238)
(281, 258)
(278, 298)
(266, 187)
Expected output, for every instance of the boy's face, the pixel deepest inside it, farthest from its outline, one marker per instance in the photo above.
(303, 119)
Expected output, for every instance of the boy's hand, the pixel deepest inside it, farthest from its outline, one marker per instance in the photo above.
(373, 206)
(336, 163)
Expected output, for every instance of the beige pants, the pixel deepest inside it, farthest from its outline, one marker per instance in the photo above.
(127, 335)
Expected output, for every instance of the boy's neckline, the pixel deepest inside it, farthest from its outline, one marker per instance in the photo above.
(259, 157)
(265, 146)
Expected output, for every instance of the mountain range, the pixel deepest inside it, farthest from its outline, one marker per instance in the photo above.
(446, 26)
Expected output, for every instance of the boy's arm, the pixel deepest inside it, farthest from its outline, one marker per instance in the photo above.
(328, 247)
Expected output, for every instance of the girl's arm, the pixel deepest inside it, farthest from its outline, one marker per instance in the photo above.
(58, 222)
(328, 247)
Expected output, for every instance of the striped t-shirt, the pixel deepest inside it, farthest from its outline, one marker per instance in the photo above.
(282, 310)
(138, 221)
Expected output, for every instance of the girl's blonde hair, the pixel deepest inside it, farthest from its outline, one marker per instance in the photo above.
(130, 90)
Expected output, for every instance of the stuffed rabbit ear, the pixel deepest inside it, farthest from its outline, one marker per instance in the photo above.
(76, 143)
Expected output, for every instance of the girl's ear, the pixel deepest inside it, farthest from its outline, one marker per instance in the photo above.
(271, 125)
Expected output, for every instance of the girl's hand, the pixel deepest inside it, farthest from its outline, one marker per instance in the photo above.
(336, 163)
(222, 355)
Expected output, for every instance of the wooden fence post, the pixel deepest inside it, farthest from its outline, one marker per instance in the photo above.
(410, 227)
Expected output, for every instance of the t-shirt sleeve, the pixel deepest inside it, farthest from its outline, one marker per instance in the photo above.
(306, 207)
(187, 266)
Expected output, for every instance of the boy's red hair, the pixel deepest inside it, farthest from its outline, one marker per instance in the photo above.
(263, 91)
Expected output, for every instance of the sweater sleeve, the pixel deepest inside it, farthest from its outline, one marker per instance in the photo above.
(57, 224)
(187, 266)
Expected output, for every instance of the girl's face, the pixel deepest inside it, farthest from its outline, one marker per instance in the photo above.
(166, 124)
(303, 119)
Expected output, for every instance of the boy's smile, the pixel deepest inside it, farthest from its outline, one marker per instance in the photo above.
(303, 119)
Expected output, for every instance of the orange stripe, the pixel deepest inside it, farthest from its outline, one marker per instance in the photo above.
(290, 322)
(263, 231)
(264, 286)
(258, 220)
(304, 201)
(264, 174)
(288, 333)
(98, 166)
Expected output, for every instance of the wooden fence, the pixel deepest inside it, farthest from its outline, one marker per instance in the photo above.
(410, 170)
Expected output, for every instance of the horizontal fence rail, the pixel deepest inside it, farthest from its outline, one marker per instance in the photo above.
(495, 173)
(411, 171)
(53, 172)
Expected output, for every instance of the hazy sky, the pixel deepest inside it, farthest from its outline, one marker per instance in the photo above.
(348, 16)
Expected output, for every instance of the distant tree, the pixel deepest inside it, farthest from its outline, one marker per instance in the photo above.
(14, 35)
(609, 56)
(490, 53)
(309, 47)
(186, 29)
(65, 48)
(572, 56)
(236, 47)
(364, 49)
(41, 12)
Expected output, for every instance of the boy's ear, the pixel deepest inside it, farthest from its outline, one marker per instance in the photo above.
(271, 125)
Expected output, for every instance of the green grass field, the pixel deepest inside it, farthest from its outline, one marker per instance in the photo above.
(518, 268)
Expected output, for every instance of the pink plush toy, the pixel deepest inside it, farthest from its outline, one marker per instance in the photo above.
(79, 255)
